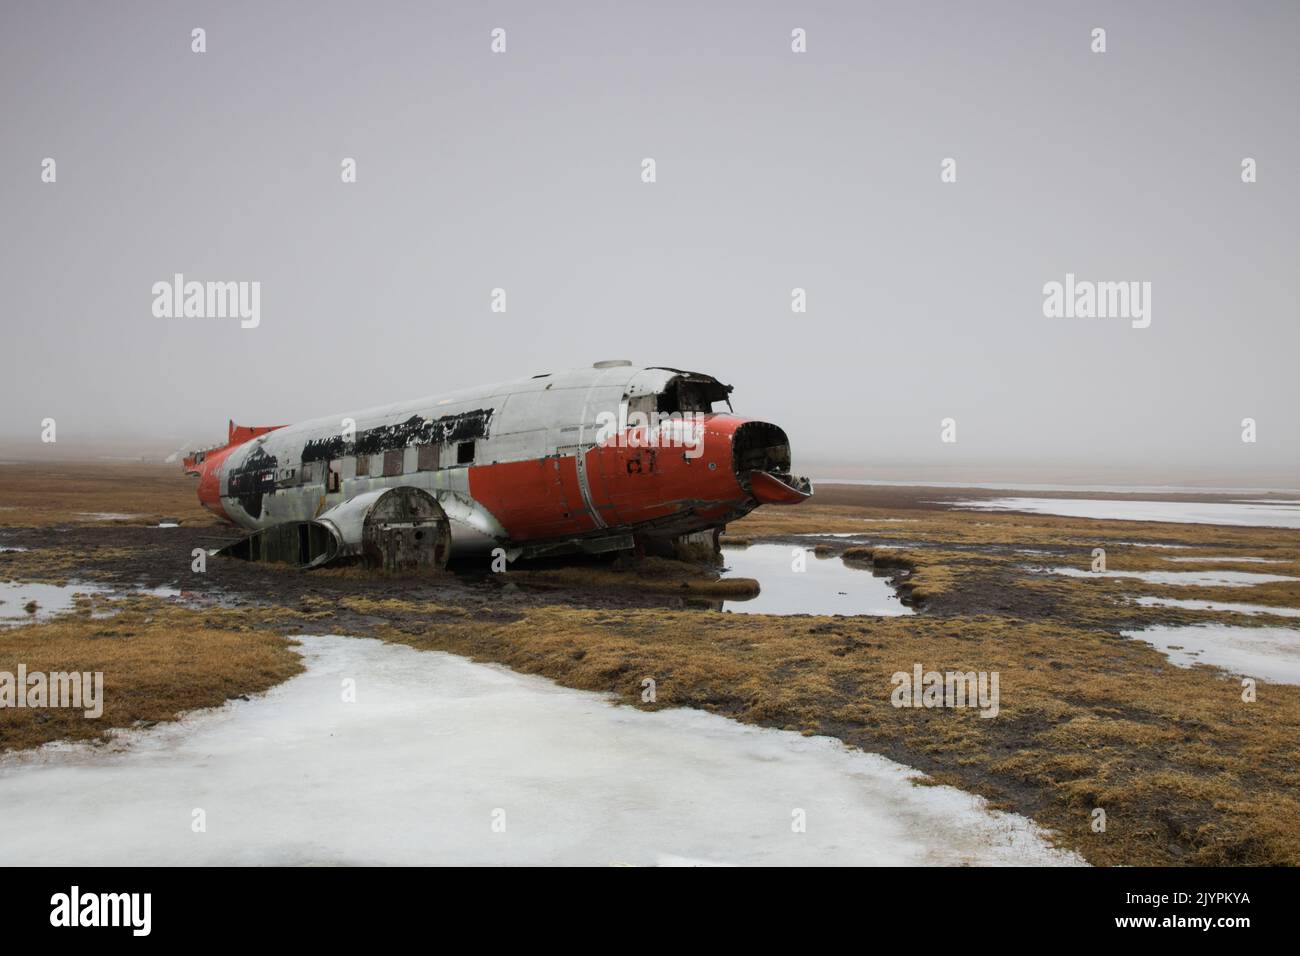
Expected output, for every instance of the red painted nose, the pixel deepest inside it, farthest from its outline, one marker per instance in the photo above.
(768, 489)
(715, 466)
(760, 455)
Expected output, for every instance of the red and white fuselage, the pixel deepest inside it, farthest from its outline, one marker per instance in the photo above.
(589, 459)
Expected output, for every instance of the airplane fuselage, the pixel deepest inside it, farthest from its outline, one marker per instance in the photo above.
(588, 458)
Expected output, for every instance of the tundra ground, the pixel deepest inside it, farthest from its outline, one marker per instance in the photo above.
(1186, 771)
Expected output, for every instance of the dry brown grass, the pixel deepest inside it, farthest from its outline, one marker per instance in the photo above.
(37, 495)
(157, 662)
(53, 565)
(929, 572)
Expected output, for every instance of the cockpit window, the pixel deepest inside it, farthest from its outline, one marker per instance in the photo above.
(692, 393)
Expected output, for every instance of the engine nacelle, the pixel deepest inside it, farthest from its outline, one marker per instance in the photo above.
(397, 529)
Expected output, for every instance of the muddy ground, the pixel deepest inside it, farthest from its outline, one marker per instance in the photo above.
(1187, 771)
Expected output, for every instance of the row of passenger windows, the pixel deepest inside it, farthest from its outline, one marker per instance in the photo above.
(387, 464)
(428, 458)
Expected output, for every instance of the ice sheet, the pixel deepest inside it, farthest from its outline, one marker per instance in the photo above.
(1184, 512)
(412, 772)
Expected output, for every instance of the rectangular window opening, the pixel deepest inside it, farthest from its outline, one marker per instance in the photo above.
(393, 462)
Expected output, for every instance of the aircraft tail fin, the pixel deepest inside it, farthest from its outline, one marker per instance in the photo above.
(235, 435)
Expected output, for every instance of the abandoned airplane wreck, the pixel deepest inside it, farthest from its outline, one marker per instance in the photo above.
(608, 458)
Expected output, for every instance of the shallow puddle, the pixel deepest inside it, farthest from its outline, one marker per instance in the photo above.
(1224, 606)
(52, 599)
(1227, 559)
(436, 747)
(1265, 653)
(825, 586)
(844, 535)
(1224, 579)
(1270, 515)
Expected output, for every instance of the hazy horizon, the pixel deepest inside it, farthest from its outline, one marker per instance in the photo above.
(775, 170)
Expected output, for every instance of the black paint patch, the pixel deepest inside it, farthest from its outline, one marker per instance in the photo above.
(416, 430)
(254, 478)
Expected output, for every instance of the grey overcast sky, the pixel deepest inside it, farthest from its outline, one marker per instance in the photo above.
(775, 170)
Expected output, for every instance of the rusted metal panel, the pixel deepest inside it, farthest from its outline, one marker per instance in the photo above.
(394, 462)
(406, 530)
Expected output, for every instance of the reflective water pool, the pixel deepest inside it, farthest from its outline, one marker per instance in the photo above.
(1222, 579)
(1265, 653)
(824, 586)
(52, 599)
(1262, 514)
(1229, 607)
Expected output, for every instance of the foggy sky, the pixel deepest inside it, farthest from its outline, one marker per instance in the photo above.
(775, 170)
